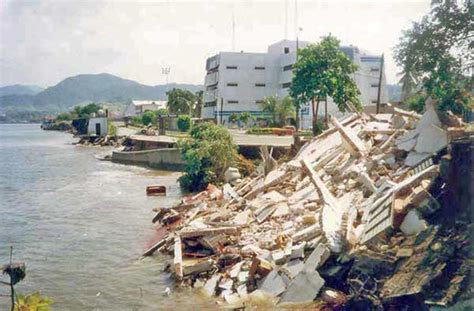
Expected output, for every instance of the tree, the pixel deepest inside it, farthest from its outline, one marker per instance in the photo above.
(148, 118)
(64, 116)
(322, 70)
(245, 117)
(438, 51)
(280, 109)
(208, 152)
(184, 123)
(181, 101)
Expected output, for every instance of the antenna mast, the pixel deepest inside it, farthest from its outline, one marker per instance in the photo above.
(286, 19)
(233, 32)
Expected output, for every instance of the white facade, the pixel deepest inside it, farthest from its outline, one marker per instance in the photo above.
(237, 82)
(97, 127)
(137, 107)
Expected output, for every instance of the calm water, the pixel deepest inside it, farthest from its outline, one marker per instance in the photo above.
(80, 224)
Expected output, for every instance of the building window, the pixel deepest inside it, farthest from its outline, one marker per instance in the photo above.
(259, 68)
(211, 87)
(286, 50)
(210, 104)
(374, 102)
(232, 101)
(260, 84)
(259, 102)
(374, 69)
(231, 67)
(288, 67)
(374, 85)
(286, 85)
(232, 84)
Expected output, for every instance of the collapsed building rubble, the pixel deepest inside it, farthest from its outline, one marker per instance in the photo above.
(352, 220)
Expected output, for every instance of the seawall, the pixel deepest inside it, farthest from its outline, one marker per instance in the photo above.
(166, 158)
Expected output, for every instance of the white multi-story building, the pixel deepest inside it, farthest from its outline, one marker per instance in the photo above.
(237, 82)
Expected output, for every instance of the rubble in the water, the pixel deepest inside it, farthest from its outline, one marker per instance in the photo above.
(355, 219)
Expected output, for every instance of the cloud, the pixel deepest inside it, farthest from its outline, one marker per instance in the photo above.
(44, 42)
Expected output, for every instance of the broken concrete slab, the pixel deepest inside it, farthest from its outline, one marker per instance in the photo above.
(293, 267)
(413, 223)
(303, 288)
(355, 146)
(317, 258)
(273, 283)
(431, 139)
(210, 287)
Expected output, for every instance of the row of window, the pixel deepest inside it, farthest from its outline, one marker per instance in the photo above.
(285, 68)
(256, 67)
(236, 102)
(236, 84)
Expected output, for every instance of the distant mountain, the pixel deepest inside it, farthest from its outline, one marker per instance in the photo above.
(394, 92)
(84, 88)
(20, 89)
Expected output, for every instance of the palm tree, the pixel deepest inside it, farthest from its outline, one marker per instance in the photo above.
(280, 109)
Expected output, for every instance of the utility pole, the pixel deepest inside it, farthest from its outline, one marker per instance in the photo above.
(165, 70)
(222, 108)
(380, 84)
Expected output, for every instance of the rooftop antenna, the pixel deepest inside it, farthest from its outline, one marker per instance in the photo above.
(286, 19)
(296, 19)
(233, 31)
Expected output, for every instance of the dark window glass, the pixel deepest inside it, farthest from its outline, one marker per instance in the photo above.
(232, 101)
(259, 84)
(286, 85)
(287, 50)
(259, 68)
(231, 67)
(232, 84)
(288, 67)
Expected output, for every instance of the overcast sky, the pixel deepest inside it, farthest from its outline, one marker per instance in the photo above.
(43, 42)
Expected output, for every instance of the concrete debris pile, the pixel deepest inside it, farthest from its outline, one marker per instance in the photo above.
(113, 141)
(346, 222)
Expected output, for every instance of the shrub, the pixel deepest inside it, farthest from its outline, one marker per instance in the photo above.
(184, 123)
(208, 152)
(416, 102)
(148, 118)
(318, 127)
(64, 117)
(112, 129)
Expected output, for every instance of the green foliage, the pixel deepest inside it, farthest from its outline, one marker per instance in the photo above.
(162, 111)
(234, 118)
(323, 70)
(33, 302)
(416, 102)
(260, 130)
(280, 109)
(136, 121)
(149, 117)
(208, 152)
(436, 51)
(64, 116)
(245, 117)
(111, 128)
(184, 123)
(318, 127)
(181, 101)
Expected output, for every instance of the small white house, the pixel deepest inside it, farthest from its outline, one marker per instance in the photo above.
(97, 127)
(138, 107)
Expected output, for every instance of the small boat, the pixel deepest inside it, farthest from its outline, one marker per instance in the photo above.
(156, 190)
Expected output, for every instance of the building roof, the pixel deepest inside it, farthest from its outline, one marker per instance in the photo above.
(161, 103)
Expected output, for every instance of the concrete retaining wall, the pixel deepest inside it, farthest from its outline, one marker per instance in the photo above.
(166, 158)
